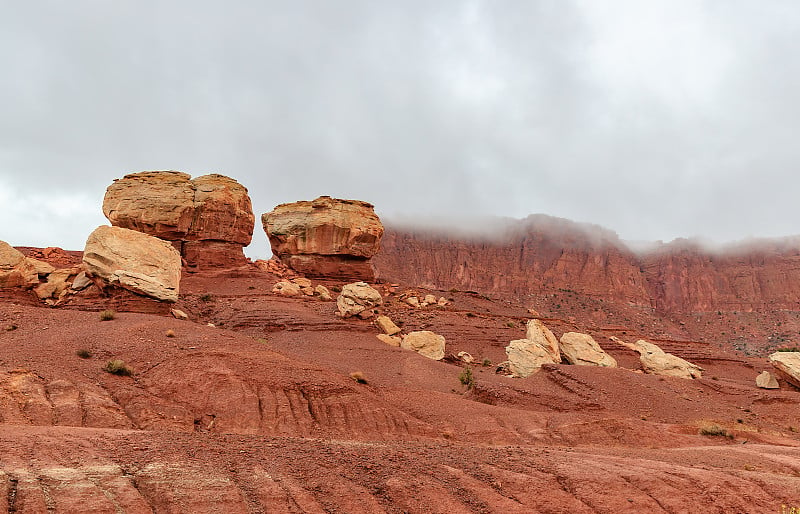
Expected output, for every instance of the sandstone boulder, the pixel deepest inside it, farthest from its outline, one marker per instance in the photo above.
(583, 350)
(787, 365)
(387, 325)
(357, 298)
(326, 237)
(538, 333)
(390, 340)
(286, 288)
(323, 293)
(426, 343)
(766, 380)
(135, 261)
(57, 283)
(466, 357)
(16, 270)
(209, 219)
(657, 362)
(526, 357)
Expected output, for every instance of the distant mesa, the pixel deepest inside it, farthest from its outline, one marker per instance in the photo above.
(208, 219)
(326, 237)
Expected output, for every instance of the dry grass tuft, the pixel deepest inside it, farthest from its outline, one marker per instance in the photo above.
(107, 315)
(358, 377)
(118, 367)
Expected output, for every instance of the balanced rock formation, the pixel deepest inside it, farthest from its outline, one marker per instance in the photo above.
(209, 219)
(583, 350)
(326, 237)
(425, 343)
(656, 361)
(358, 299)
(766, 380)
(16, 270)
(135, 261)
(787, 365)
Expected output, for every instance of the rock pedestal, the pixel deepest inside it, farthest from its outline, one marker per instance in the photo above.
(208, 219)
(326, 237)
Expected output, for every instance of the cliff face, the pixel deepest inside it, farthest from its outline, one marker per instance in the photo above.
(542, 254)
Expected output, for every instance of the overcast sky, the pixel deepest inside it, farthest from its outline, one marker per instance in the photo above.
(654, 119)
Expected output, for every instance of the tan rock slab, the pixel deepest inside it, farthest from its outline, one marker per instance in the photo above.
(526, 357)
(356, 298)
(787, 364)
(390, 340)
(286, 288)
(387, 325)
(657, 362)
(133, 260)
(583, 350)
(426, 343)
(537, 332)
(323, 293)
(16, 270)
(766, 380)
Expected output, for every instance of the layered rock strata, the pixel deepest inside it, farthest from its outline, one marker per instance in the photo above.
(209, 219)
(326, 237)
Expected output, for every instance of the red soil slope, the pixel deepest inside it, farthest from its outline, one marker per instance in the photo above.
(258, 414)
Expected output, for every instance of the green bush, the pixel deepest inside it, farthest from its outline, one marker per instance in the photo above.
(466, 377)
(84, 353)
(107, 315)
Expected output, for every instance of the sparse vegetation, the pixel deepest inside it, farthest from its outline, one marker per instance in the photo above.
(712, 429)
(486, 363)
(358, 377)
(511, 324)
(261, 340)
(466, 377)
(206, 297)
(471, 315)
(336, 289)
(107, 315)
(170, 333)
(118, 367)
(11, 327)
(788, 349)
(83, 353)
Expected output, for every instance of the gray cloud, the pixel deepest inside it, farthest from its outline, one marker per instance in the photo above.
(655, 119)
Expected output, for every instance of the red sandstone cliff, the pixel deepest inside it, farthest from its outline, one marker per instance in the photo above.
(541, 254)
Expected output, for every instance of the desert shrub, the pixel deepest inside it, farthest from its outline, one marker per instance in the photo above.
(84, 353)
(471, 315)
(11, 327)
(466, 377)
(712, 429)
(487, 363)
(170, 333)
(206, 297)
(336, 289)
(118, 367)
(358, 377)
(107, 315)
(511, 324)
(788, 349)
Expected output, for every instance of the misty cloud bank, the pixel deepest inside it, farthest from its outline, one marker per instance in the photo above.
(655, 119)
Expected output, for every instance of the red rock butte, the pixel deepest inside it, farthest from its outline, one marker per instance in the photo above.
(209, 219)
(326, 237)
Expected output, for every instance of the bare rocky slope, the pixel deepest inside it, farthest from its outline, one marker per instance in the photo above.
(258, 413)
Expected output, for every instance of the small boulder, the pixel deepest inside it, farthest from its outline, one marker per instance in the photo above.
(429, 299)
(766, 380)
(583, 350)
(442, 301)
(179, 314)
(466, 357)
(81, 282)
(323, 293)
(538, 333)
(526, 357)
(387, 325)
(135, 261)
(426, 343)
(57, 283)
(390, 340)
(302, 282)
(787, 365)
(413, 301)
(286, 288)
(357, 298)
